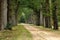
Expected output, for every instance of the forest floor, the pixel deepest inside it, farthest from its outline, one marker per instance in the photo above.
(40, 34)
(17, 33)
(30, 32)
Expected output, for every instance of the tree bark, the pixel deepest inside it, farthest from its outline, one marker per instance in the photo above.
(10, 15)
(16, 11)
(41, 14)
(54, 14)
(3, 10)
(0, 15)
(47, 16)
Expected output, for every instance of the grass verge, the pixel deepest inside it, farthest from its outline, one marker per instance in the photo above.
(17, 33)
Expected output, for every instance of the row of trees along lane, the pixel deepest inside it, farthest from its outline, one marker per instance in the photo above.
(9, 11)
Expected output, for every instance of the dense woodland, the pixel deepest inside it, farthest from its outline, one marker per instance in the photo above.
(44, 13)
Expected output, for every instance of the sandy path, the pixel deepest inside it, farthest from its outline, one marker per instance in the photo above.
(41, 35)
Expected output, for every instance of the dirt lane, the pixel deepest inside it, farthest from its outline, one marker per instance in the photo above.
(41, 35)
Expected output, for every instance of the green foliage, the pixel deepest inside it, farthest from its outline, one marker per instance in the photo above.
(32, 3)
(27, 13)
(27, 7)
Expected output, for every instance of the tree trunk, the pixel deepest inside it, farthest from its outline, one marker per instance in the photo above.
(16, 11)
(3, 10)
(54, 14)
(0, 15)
(41, 14)
(8, 15)
(47, 16)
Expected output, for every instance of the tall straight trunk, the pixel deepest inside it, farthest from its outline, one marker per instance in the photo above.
(50, 3)
(9, 16)
(47, 17)
(43, 11)
(3, 14)
(41, 14)
(12, 13)
(54, 14)
(16, 11)
(0, 15)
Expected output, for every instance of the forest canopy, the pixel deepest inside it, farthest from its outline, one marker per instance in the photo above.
(39, 12)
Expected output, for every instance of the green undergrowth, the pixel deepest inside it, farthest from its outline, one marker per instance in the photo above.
(17, 33)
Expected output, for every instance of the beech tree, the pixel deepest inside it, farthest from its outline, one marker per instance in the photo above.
(47, 15)
(54, 14)
(3, 14)
(42, 12)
